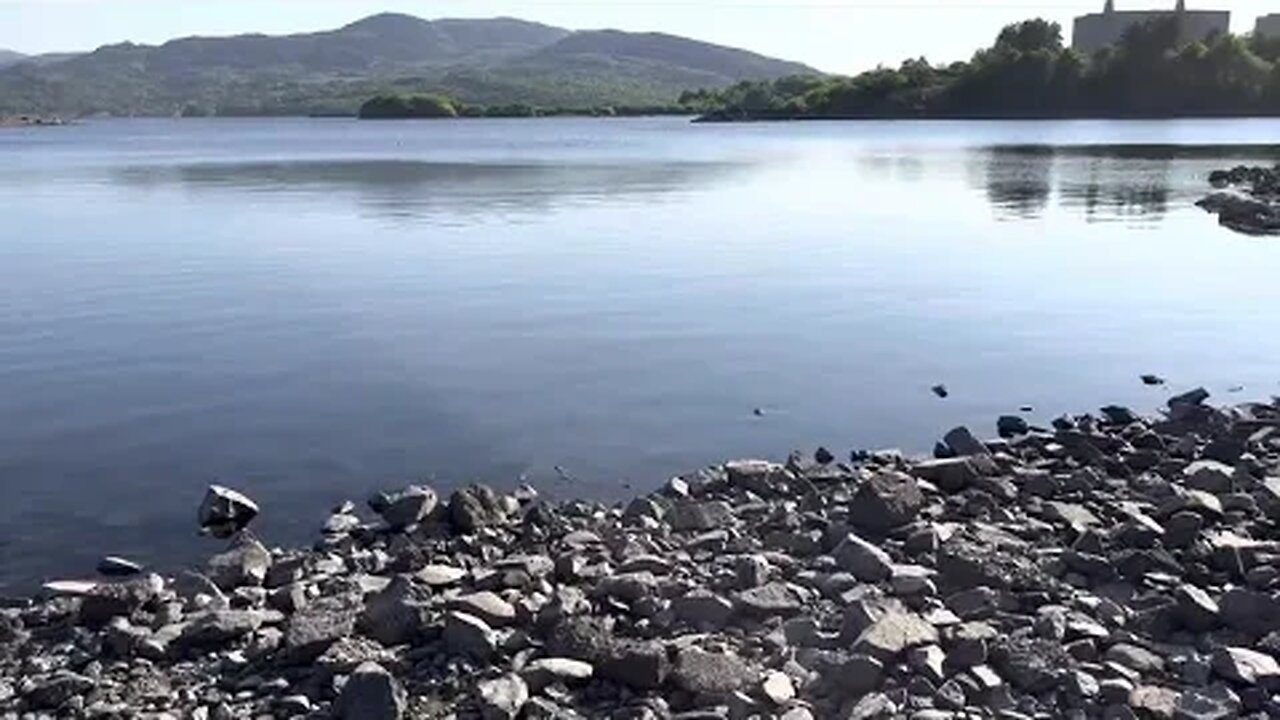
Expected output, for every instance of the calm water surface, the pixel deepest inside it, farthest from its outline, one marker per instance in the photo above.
(310, 310)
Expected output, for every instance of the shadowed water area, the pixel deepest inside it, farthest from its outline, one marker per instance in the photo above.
(311, 310)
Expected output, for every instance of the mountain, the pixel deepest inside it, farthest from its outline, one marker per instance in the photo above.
(490, 61)
(9, 57)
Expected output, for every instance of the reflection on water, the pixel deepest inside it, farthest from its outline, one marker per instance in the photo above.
(314, 310)
(408, 188)
(1126, 183)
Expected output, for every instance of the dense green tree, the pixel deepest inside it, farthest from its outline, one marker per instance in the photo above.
(385, 107)
(1028, 72)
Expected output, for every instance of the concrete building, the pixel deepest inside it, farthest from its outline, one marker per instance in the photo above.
(1269, 25)
(1101, 30)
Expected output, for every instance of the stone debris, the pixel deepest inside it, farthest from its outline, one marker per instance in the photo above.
(1111, 566)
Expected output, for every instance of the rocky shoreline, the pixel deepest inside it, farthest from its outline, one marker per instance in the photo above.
(1247, 199)
(1110, 566)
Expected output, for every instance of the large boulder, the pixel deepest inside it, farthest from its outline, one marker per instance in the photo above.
(225, 512)
(888, 500)
(406, 508)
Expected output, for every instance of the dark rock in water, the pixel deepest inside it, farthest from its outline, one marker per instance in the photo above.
(1009, 426)
(112, 566)
(406, 508)
(1118, 415)
(225, 512)
(941, 391)
(1152, 380)
(371, 693)
(823, 456)
(886, 501)
(962, 442)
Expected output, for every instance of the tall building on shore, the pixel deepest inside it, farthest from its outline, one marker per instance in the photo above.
(1097, 31)
(1269, 25)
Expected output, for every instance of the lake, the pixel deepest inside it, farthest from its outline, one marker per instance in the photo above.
(310, 310)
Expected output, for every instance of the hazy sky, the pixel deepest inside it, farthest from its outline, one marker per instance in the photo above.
(833, 35)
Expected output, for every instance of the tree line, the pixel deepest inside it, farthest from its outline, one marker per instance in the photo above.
(1029, 72)
(434, 106)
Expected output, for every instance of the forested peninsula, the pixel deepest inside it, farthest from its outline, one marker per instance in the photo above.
(1030, 73)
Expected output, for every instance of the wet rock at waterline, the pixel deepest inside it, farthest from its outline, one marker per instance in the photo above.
(1110, 566)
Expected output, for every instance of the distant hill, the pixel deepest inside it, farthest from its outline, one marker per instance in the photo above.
(9, 57)
(492, 61)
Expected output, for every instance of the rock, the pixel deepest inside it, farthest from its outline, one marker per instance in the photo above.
(768, 600)
(1154, 702)
(704, 673)
(751, 571)
(246, 563)
(875, 705)
(216, 629)
(100, 602)
(545, 671)
(502, 698)
(395, 616)
(1209, 476)
(1139, 659)
(949, 474)
(758, 476)
(1118, 415)
(469, 635)
(225, 512)
(487, 606)
(778, 688)
(893, 634)
(371, 693)
(638, 665)
(1195, 610)
(476, 507)
(941, 391)
(859, 675)
(1009, 426)
(438, 576)
(888, 500)
(865, 560)
(1243, 666)
(1250, 611)
(700, 517)
(54, 691)
(1152, 380)
(117, 567)
(1032, 666)
(702, 608)
(409, 507)
(308, 634)
(962, 443)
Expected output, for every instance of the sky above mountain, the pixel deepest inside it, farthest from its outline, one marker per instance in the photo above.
(833, 35)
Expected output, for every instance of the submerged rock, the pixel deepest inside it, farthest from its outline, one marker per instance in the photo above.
(225, 512)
